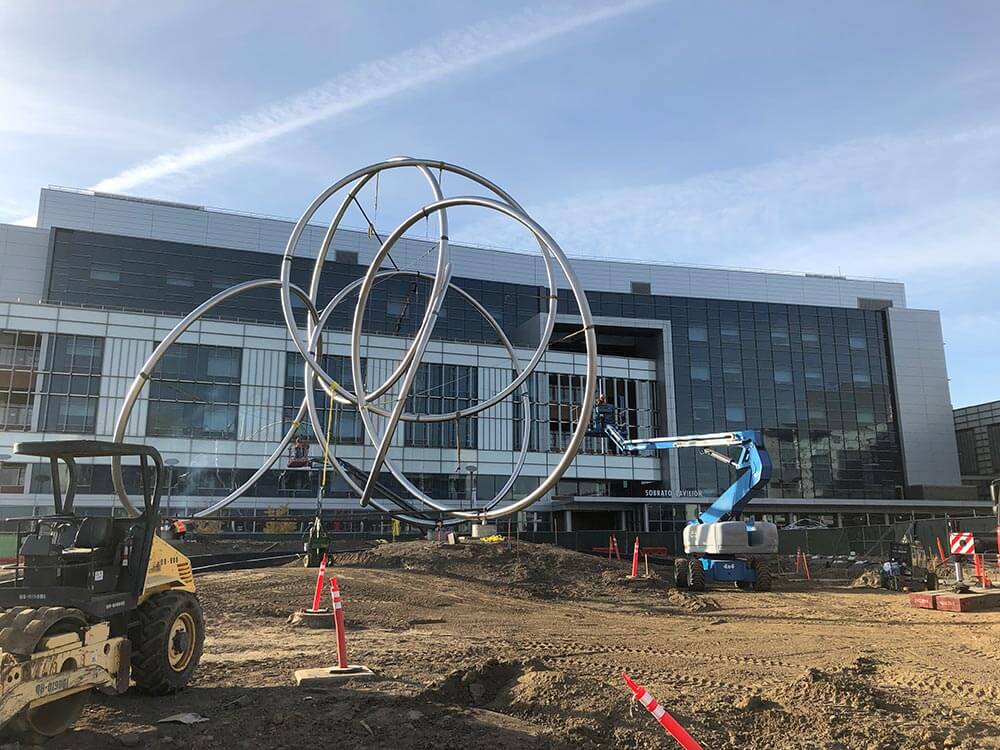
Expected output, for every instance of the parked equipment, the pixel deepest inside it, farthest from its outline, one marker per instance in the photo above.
(91, 602)
(719, 549)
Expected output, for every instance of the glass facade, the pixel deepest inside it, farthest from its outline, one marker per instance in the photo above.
(11, 478)
(346, 427)
(440, 389)
(977, 431)
(635, 401)
(195, 392)
(815, 380)
(71, 387)
(19, 353)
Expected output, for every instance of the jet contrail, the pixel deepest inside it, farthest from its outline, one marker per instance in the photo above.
(376, 81)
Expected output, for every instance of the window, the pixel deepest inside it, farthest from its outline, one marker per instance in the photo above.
(41, 478)
(861, 377)
(700, 372)
(782, 376)
(195, 392)
(994, 437)
(346, 256)
(736, 414)
(967, 458)
(11, 478)
(440, 389)
(104, 272)
(642, 287)
(858, 342)
(868, 303)
(697, 333)
(810, 337)
(18, 365)
(71, 388)
(346, 427)
(180, 278)
(635, 410)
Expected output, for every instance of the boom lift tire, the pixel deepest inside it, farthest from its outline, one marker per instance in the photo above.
(680, 573)
(167, 646)
(762, 568)
(696, 575)
(22, 630)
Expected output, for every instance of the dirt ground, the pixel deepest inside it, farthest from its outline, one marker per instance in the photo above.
(484, 647)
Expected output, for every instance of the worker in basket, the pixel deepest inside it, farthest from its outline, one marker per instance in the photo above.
(180, 528)
(298, 458)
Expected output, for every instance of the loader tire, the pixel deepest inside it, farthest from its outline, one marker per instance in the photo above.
(167, 645)
(696, 575)
(680, 573)
(22, 630)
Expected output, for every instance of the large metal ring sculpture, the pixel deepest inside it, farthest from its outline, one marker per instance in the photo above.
(364, 398)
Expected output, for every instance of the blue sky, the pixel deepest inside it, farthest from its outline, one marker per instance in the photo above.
(861, 138)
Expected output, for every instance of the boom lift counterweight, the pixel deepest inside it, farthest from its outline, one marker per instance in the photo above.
(720, 549)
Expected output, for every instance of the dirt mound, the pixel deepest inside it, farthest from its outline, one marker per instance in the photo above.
(849, 686)
(691, 602)
(536, 693)
(538, 570)
(839, 708)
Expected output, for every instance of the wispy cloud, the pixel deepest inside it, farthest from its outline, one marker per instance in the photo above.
(377, 81)
(29, 112)
(880, 206)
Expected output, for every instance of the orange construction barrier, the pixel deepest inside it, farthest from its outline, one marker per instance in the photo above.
(941, 548)
(338, 621)
(635, 559)
(319, 584)
(668, 722)
(979, 562)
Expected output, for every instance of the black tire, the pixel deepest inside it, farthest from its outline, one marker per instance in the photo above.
(162, 664)
(696, 575)
(763, 570)
(680, 573)
(744, 585)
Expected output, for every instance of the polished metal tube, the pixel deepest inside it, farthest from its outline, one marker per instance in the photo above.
(308, 345)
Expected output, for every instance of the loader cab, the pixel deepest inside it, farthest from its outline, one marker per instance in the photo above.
(94, 563)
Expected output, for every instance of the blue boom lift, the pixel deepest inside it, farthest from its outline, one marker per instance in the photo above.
(718, 549)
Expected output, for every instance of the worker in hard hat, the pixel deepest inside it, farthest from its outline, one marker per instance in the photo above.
(180, 528)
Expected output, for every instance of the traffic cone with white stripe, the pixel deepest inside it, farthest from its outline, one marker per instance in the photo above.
(668, 722)
(314, 617)
(338, 623)
(635, 559)
(320, 580)
(343, 670)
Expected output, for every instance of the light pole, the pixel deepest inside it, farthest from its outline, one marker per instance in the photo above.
(472, 469)
(171, 463)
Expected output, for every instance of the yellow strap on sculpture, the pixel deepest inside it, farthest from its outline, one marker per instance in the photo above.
(326, 443)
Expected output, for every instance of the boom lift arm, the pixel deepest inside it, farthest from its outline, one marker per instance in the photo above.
(753, 465)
